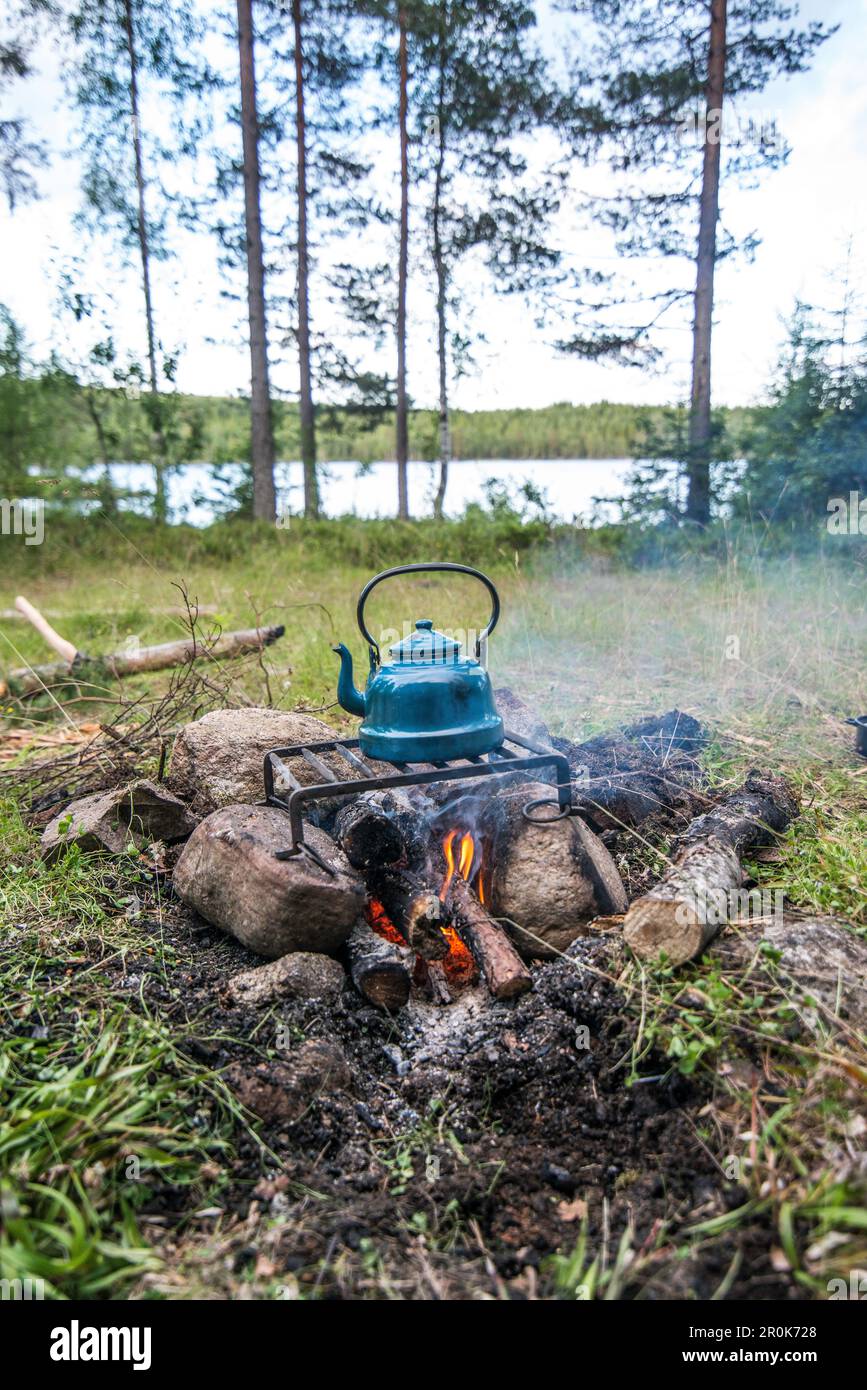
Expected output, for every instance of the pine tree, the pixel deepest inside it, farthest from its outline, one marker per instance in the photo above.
(402, 401)
(118, 45)
(479, 84)
(313, 58)
(659, 88)
(261, 425)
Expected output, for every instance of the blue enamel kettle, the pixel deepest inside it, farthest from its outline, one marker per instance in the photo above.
(429, 702)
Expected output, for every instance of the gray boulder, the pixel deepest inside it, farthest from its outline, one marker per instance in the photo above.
(228, 873)
(109, 821)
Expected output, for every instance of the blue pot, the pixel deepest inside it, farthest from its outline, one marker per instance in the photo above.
(429, 702)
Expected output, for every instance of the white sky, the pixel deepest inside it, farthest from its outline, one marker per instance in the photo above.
(807, 213)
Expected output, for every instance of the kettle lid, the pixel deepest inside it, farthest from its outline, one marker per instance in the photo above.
(425, 644)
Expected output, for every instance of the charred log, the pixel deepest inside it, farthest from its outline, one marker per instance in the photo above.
(627, 799)
(381, 828)
(379, 969)
(433, 975)
(414, 908)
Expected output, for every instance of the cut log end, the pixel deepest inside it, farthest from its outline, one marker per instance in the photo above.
(378, 968)
(655, 926)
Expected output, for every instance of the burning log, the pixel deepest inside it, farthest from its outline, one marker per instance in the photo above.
(378, 968)
(414, 908)
(505, 973)
(380, 828)
(374, 832)
(689, 906)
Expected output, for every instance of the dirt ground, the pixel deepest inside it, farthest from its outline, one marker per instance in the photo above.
(446, 1152)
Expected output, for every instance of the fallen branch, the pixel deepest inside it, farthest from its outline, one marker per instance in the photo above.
(29, 680)
(691, 903)
(174, 610)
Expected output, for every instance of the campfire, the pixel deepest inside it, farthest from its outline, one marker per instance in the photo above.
(461, 861)
(457, 964)
(425, 875)
(428, 879)
(450, 933)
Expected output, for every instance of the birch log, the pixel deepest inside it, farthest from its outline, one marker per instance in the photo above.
(29, 680)
(691, 903)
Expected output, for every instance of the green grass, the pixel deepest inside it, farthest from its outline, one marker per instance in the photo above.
(770, 652)
(100, 1105)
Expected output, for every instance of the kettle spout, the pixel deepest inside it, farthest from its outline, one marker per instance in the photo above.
(348, 697)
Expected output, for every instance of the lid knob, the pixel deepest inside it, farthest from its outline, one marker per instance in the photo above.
(425, 624)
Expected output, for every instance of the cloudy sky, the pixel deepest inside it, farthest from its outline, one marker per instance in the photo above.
(812, 216)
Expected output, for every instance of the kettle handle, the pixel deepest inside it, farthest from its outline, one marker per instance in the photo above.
(375, 656)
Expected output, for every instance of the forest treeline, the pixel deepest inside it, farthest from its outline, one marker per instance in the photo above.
(361, 173)
(49, 421)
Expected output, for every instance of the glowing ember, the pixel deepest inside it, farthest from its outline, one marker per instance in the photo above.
(459, 964)
(382, 923)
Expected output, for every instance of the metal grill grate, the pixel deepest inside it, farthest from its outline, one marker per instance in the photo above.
(514, 754)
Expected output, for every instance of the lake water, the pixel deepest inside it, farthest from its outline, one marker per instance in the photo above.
(568, 485)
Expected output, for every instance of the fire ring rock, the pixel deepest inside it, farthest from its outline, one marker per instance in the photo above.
(302, 975)
(228, 873)
(550, 881)
(217, 760)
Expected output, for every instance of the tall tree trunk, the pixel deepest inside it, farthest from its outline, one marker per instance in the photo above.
(308, 424)
(698, 465)
(159, 462)
(105, 486)
(402, 422)
(261, 424)
(441, 272)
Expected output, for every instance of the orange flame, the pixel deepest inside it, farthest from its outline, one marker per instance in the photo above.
(460, 967)
(449, 853)
(466, 856)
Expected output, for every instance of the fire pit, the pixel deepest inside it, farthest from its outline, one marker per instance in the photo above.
(437, 846)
